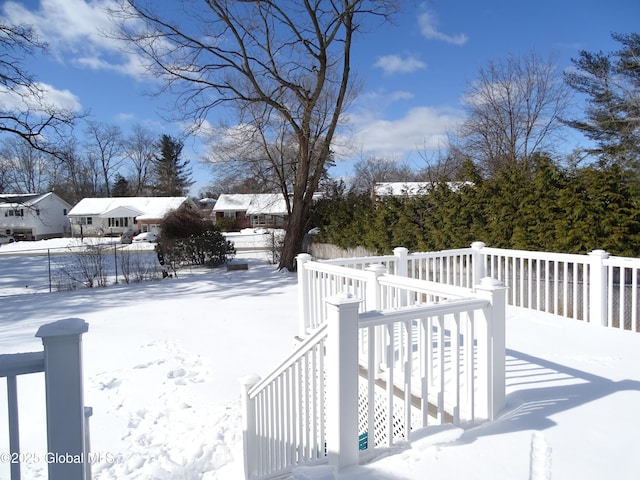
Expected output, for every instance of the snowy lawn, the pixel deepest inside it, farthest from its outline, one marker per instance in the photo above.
(162, 360)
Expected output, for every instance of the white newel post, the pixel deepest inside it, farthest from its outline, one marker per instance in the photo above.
(598, 288)
(342, 380)
(67, 454)
(479, 262)
(247, 382)
(372, 299)
(402, 261)
(303, 294)
(491, 345)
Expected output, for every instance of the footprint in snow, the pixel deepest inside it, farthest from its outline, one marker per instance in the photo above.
(112, 383)
(177, 373)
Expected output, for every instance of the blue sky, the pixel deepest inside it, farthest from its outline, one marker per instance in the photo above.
(414, 71)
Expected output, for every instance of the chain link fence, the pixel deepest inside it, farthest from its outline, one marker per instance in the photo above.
(69, 268)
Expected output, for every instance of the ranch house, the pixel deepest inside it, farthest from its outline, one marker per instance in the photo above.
(114, 216)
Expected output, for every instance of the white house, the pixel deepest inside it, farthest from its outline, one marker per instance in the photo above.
(33, 216)
(252, 210)
(114, 216)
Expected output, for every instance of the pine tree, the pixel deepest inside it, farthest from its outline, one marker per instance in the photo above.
(171, 174)
(121, 187)
(611, 82)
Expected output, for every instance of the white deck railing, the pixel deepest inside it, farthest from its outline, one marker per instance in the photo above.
(596, 288)
(420, 339)
(379, 356)
(67, 417)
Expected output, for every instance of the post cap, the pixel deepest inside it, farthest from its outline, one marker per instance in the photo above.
(249, 380)
(344, 298)
(376, 267)
(63, 328)
(490, 282)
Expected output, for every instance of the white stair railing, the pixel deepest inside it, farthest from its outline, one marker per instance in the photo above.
(284, 413)
(447, 355)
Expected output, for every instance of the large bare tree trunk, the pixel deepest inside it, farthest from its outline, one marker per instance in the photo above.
(283, 67)
(293, 240)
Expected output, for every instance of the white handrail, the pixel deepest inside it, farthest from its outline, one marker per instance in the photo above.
(311, 341)
(377, 318)
(424, 286)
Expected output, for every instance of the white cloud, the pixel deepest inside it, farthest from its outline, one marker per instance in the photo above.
(380, 99)
(429, 29)
(62, 99)
(125, 117)
(75, 32)
(419, 129)
(48, 98)
(397, 64)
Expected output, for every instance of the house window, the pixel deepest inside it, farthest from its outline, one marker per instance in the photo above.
(229, 214)
(258, 220)
(38, 212)
(64, 212)
(85, 220)
(118, 221)
(19, 212)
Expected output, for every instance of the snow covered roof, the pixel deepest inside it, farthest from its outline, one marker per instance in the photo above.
(232, 202)
(252, 203)
(13, 200)
(138, 207)
(122, 211)
(267, 204)
(383, 189)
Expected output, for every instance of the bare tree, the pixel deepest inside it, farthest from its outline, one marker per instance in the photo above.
(513, 111)
(25, 110)
(28, 168)
(368, 171)
(273, 62)
(139, 149)
(104, 151)
(74, 180)
(263, 158)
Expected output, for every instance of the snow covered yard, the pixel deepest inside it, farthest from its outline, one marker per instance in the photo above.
(162, 359)
(161, 363)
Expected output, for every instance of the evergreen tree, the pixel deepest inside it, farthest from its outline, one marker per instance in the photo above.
(171, 174)
(611, 82)
(600, 211)
(121, 187)
(539, 211)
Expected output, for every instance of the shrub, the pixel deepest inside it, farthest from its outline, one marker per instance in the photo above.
(210, 248)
